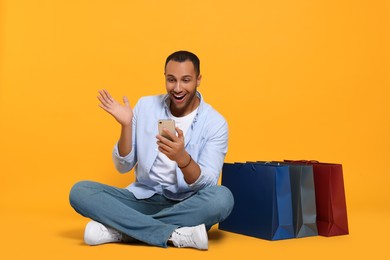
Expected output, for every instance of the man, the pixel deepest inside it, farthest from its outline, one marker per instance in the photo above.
(175, 198)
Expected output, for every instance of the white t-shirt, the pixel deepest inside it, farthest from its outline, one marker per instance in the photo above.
(164, 169)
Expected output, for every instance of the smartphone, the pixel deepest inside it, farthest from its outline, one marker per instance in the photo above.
(168, 124)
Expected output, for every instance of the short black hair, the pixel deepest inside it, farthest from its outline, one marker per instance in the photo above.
(182, 56)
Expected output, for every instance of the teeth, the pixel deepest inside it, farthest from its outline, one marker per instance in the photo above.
(178, 97)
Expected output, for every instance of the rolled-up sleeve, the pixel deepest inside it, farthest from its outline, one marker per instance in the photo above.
(123, 164)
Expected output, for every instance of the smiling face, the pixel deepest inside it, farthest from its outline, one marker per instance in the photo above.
(181, 83)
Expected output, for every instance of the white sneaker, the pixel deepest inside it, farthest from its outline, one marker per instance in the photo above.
(195, 237)
(96, 234)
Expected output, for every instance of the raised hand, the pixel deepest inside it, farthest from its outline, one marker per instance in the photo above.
(122, 113)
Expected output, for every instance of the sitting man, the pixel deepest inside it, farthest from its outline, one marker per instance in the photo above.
(175, 197)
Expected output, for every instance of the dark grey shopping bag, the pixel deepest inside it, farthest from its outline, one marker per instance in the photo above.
(303, 199)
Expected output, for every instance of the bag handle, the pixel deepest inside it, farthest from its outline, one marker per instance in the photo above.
(303, 161)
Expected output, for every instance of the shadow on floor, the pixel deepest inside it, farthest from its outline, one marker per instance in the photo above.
(77, 234)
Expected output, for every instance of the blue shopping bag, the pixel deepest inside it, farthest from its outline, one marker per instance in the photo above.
(262, 200)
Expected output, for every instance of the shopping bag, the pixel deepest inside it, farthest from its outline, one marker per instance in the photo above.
(303, 199)
(262, 200)
(330, 198)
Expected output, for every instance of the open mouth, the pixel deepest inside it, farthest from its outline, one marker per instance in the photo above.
(178, 97)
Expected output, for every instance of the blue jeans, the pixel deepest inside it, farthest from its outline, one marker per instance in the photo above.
(150, 220)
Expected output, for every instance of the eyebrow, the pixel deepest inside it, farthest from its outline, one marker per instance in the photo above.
(185, 76)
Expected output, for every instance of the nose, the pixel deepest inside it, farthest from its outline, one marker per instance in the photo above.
(177, 88)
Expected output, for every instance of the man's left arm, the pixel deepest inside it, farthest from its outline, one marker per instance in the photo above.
(206, 169)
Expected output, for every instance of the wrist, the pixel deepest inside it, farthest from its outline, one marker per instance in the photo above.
(127, 125)
(185, 162)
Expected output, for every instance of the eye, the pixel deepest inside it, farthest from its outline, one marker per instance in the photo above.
(171, 80)
(186, 80)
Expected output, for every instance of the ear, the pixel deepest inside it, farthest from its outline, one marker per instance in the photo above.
(198, 80)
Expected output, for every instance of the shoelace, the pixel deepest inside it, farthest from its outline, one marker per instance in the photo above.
(184, 239)
(114, 234)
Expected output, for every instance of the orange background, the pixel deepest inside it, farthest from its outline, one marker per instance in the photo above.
(295, 80)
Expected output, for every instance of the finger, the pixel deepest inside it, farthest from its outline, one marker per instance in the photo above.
(105, 91)
(180, 135)
(101, 93)
(109, 96)
(103, 102)
(179, 132)
(163, 151)
(103, 98)
(163, 147)
(104, 108)
(126, 101)
(164, 140)
(159, 137)
(172, 136)
(106, 95)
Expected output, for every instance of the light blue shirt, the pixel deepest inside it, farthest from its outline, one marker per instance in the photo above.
(206, 141)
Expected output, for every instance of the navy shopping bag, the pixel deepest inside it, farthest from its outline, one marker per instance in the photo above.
(262, 200)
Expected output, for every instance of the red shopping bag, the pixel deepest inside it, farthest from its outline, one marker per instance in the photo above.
(330, 198)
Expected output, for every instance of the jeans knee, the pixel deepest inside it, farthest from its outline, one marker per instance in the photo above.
(226, 200)
(78, 192)
(222, 202)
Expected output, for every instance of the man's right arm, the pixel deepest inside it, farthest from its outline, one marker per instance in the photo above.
(123, 114)
(123, 153)
(125, 140)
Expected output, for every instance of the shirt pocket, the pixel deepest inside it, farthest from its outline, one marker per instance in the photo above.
(194, 151)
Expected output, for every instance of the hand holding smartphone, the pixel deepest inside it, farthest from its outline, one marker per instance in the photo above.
(169, 124)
